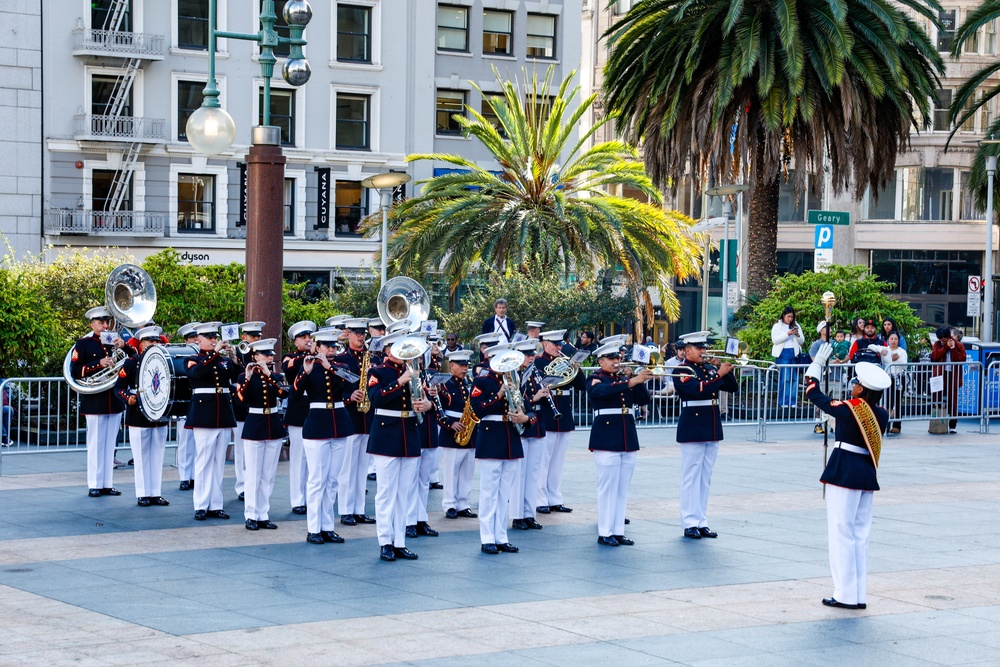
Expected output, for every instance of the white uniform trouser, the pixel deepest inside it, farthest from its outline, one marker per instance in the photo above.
(550, 468)
(849, 523)
(416, 507)
(395, 478)
(297, 472)
(353, 475)
(209, 463)
(524, 492)
(697, 461)
(239, 452)
(435, 475)
(325, 458)
(496, 476)
(148, 445)
(614, 474)
(102, 433)
(458, 466)
(184, 456)
(261, 457)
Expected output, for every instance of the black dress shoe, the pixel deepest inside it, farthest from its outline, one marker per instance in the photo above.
(543, 509)
(160, 500)
(467, 513)
(387, 553)
(862, 605)
(437, 485)
(314, 538)
(252, 524)
(270, 525)
(411, 532)
(299, 509)
(830, 602)
(424, 529)
(218, 514)
(489, 549)
(508, 548)
(200, 515)
(371, 478)
(348, 520)
(627, 522)
(519, 524)
(111, 492)
(560, 508)
(363, 518)
(707, 532)
(608, 541)
(185, 485)
(624, 541)
(144, 502)
(94, 493)
(531, 523)
(451, 513)
(240, 496)
(404, 553)
(693, 533)
(330, 536)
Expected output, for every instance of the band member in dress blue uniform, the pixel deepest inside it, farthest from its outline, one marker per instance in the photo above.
(325, 434)
(699, 430)
(376, 329)
(485, 342)
(102, 410)
(395, 444)
(524, 493)
(184, 455)
(249, 332)
(261, 391)
(498, 449)
(416, 513)
(613, 438)
(851, 474)
(533, 329)
(210, 417)
(295, 413)
(550, 466)
(457, 461)
(147, 439)
(353, 472)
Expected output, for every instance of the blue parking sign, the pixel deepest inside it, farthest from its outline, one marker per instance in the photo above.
(824, 237)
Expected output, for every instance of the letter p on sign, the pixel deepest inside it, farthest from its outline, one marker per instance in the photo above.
(824, 237)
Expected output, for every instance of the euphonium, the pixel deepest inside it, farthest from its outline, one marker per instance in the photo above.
(507, 364)
(366, 363)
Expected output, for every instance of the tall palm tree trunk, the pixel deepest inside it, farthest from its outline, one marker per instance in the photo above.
(762, 230)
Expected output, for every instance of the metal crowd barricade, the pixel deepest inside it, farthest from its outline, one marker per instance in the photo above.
(916, 396)
(991, 395)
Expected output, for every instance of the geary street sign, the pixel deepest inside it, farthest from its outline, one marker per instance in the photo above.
(829, 218)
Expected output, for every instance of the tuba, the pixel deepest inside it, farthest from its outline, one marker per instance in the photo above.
(507, 364)
(131, 297)
(403, 298)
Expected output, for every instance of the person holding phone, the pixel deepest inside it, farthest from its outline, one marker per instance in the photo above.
(786, 344)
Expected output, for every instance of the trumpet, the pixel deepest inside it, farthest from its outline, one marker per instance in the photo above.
(738, 361)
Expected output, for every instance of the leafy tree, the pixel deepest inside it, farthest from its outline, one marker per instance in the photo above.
(28, 325)
(859, 294)
(547, 206)
(747, 87)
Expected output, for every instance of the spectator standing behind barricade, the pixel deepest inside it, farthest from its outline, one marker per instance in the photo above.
(948, 349)
(7, 418)
(888, 326)
(859, 348)
(857, 330)
(786, 340)
(894, 362)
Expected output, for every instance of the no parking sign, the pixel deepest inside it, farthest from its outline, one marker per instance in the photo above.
(972, 301)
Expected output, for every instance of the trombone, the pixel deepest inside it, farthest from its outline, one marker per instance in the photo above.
(743, 360)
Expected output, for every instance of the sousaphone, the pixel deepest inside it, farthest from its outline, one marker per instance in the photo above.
(403, 298)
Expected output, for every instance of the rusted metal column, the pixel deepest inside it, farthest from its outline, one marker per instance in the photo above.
(265, 232)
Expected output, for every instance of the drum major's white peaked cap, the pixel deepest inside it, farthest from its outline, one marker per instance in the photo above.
(98, 312)
(265, 346)
(188, 329)
(252, 327)
(299, 328)
(872, 376)
(149, 333)
(460, 356)
(608, 350)
(553, 336)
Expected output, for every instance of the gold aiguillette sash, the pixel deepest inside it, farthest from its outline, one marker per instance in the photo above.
(865, 417)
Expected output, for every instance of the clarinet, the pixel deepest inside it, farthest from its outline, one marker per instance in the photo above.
(552, 402)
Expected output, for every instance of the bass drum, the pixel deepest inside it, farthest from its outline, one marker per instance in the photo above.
(164, 391)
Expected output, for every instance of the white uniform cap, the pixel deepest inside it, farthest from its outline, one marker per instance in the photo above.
(98, 312)
(497, 349)
(188, 329)
(400, 325)
(376, 322)
(488, 339)
(149, 333)
(208, 329)
(217, 325)
(252, 327)
(534, 325)
(393, 337)
(821, 327)
(554, 336)
(618, 340)
(299, 328)
(697, 338)
(356, 324)
(337, 320)
(326, 336)
(607, 350)
(460, 356)
(265, 346)
(872, 376)
(528, 347)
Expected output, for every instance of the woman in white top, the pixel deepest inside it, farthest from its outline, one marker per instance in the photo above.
(787, 339)
(893, 361)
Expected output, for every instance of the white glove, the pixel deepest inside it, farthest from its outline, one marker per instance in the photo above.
(823, 354)
(879, 349)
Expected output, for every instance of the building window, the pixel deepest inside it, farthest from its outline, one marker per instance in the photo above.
(928, 193)
(967, 209)
(539, 106)
(498, 32)
(101, 15)
(282, 113)
(452, 28)
(189, 98)
(972, 42)
(487, 111)
(946, 31)
(349, 208)
(280, 27)
(941, 101)
(102, 90)
(354, 34)
(621, 7)
(885, 207)
(196, 203)
(795, 262)
(449, 103)
(103, 187)
(916, 272)
(352, 122)
(541, 38)
(991, 37)
(289, 207)
(316, 284)
(192, 24)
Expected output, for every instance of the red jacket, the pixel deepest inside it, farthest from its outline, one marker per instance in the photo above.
(939, 353)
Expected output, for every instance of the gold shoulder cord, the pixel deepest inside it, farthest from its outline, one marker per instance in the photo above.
(865, 417)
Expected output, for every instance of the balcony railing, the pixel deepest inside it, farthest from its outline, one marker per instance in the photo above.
(97, 223)
(119, 128)
(117, 44)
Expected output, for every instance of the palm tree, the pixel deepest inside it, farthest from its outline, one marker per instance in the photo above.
(746, 86)
(533, 214)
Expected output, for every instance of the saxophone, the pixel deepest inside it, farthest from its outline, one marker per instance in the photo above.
(469, 421)
(366, 362)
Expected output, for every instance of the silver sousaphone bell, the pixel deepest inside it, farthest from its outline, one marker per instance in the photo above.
(403, 298)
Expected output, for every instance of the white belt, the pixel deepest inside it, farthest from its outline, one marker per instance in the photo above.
(453, 414)
(852, 448)
(493, 418)
(402, 414)
(262, 411)
(562, 392)
(210, 390)
(325, 406)
(695, 404)
(613, 411)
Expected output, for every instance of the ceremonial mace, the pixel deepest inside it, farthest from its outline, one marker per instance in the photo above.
(829, 299)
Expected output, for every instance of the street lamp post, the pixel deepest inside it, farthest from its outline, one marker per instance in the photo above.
(991, 169)
(385, 183)
(211, 131)
(726, 191)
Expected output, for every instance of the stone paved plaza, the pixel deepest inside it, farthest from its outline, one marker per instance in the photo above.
(103, 582)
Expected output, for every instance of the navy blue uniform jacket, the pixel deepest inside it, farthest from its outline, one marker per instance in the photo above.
(535, 429)
(86, 361)
(494, 439)
(239, 408)
(128, 385)
(210, 370)
(453, 397)
(701, 423)
(265, 393)
(615, 432)
(391, 436)
(297, 408)
(352, 361)
(563, 398)
(326, 387)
